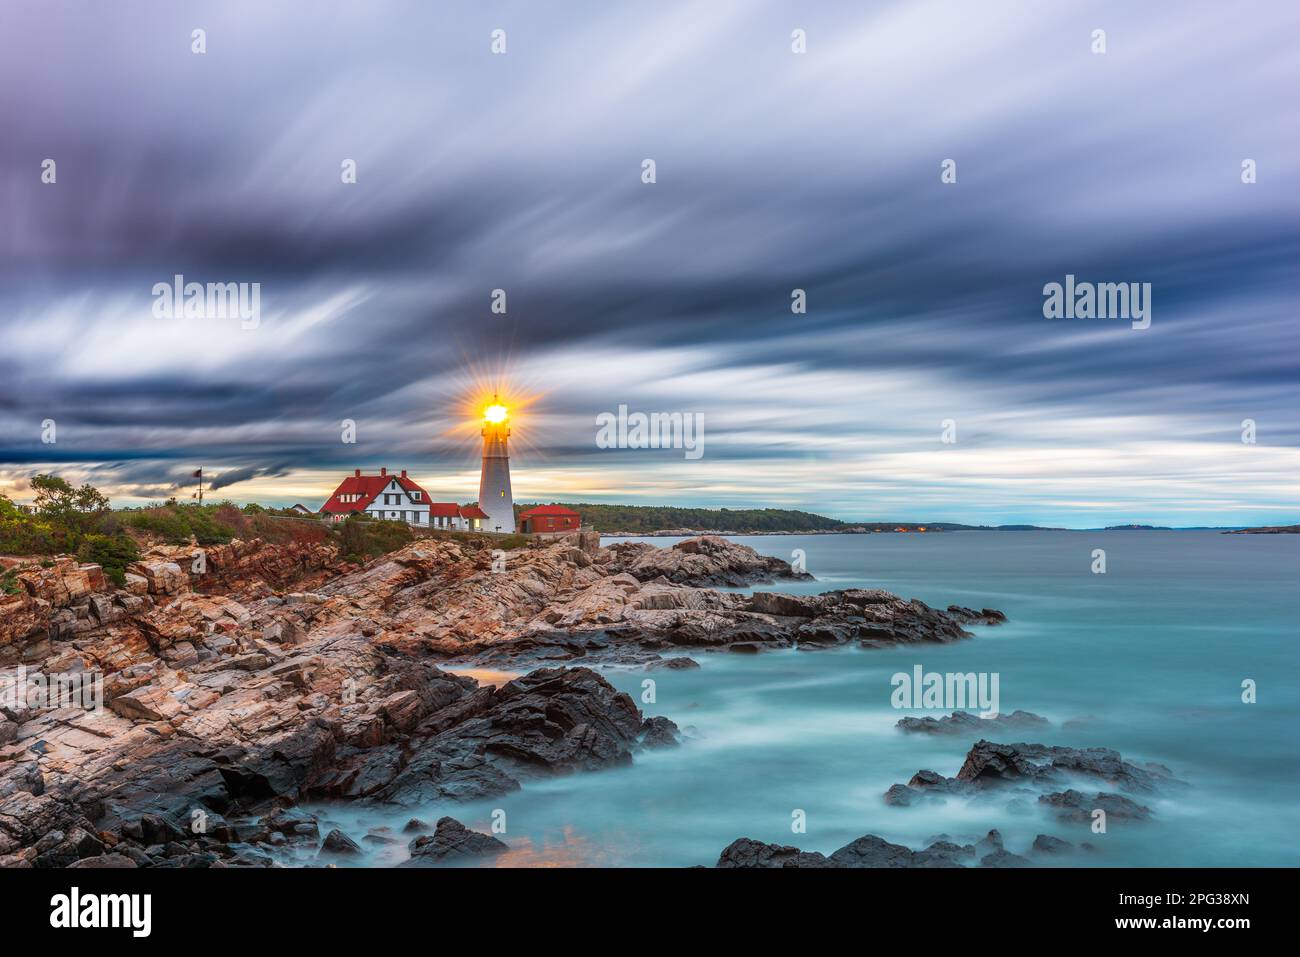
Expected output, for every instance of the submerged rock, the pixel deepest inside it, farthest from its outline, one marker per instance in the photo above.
(1047, 844)
(1004, 858)
(964, 722)
(990, 763)
(1077, 807)
(659, 732)
(991, 767)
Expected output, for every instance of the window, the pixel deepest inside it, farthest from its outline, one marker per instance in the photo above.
(415, 496)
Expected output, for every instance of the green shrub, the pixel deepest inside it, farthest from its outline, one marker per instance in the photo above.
(177, 523)
(111, 552)
(362, 538)
(9, 582)
(24, 534)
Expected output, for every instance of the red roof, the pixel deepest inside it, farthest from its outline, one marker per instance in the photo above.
(444, 510)
(366, 487)
(472, 511)
(548, 510)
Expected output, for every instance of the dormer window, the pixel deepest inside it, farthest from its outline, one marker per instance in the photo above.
(415, 496)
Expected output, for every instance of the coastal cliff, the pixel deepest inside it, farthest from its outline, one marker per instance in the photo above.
(238, 685)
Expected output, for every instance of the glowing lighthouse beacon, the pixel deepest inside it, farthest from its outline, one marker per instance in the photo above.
(494, 496)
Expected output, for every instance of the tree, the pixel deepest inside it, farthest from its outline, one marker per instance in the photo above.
(75, 509)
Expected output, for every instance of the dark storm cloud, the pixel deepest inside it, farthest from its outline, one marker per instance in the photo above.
(522, 172)
(235, 476)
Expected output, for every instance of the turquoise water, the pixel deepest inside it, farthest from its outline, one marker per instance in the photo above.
(1148, 659)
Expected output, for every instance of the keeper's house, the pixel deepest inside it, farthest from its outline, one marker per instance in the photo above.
(549, 518)
(398, 498)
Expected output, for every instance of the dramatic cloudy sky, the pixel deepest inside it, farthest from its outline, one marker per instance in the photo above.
(775, 171)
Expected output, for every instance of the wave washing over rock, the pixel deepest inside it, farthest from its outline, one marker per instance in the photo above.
(1012, 773)
(283, 675)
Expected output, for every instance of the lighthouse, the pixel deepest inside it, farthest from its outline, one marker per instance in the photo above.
(494, 496)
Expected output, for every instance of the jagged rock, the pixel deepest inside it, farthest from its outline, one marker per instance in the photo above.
(746, 852)
(990, 763)
(163, 577)
(985, 616)
(964, 722)
(676, 663)
(659, 732)
(1047, 844)
(872, 851)
(790, 606)
(1025, 769)
(867, 851)
(336, 842)
(451, 840)
(146, 704)
(403, 709)
(943, 853)
(924, 785)
(294, 823)
(990, 843)
(705, 561)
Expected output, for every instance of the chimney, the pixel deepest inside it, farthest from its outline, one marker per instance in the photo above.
(403, 473)
(383, 471)
(357, 473)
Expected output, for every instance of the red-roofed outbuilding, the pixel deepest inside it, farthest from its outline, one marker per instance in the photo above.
(550, 518)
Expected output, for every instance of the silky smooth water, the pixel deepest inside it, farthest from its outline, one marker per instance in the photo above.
(1148, 659)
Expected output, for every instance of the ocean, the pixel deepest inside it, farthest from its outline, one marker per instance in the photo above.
(1148, 658)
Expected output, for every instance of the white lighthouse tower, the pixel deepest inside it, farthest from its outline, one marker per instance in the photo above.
(494, 496)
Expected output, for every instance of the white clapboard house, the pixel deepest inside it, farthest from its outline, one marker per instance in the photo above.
(399, 498)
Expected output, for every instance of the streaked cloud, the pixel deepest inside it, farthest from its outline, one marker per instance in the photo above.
(775, 171)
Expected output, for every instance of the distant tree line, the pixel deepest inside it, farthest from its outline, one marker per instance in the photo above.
(653, 518)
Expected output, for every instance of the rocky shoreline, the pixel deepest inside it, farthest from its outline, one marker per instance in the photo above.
(238, 686)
